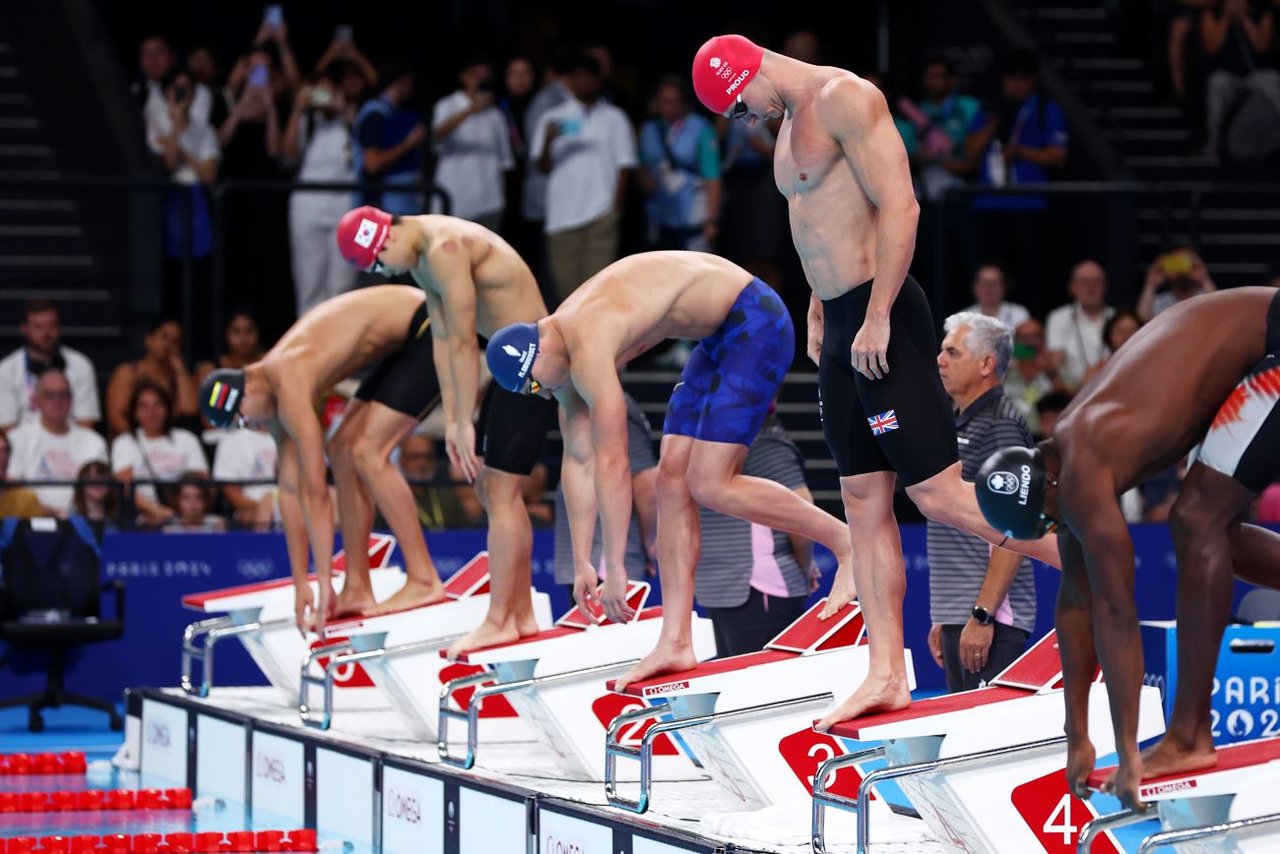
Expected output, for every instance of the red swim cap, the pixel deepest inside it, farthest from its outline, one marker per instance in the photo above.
(722, 68)
(361, 235)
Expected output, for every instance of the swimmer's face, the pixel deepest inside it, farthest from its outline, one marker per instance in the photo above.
(548, 373)
(258, 406)
(752, 106)
(399, 253)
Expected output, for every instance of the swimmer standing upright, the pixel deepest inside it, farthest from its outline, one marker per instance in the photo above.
(842, 166)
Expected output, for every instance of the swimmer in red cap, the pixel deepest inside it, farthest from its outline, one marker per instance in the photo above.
(475, 284)
(842, 167)
(386, 325)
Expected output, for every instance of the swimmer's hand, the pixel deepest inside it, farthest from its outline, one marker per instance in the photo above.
(585, 593)
(614, 596)
(871, 347)
(310, 615)
(460, 445)
(1081, 757)
(1123, 783)
(815, 319)
(303, 605)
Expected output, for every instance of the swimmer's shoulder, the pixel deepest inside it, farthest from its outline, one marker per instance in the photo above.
(845, 95)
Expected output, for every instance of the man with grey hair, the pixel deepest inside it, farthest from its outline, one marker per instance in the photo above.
(982, 600)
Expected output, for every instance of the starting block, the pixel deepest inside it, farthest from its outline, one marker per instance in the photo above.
(747, 719)
(552, 680)
(986, 768)
(261, 617)
(397, 654)
(1230, 807)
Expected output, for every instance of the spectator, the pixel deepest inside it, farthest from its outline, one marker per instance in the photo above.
(95, 497)
(1172, 278)
(1034, 373)
(358, 74)
(212, 100)
(752, 581)
(443, 499)
(1184, 19)
(192, 501)
(15, 501)
(1074, 331)
(587, 148)
(1238, 39)
(533, 208)
(942, 124)
(272, 44)
(1018, 138)
(1049, 408)
(155, 61)
(610, 92)
(244, 463)
(680, 171)
(386, 143)
(517, 96)
(52, 448)
(473, 146)
(982, 600)
(242, 345)
(640, 557)
(803, 45)
(154, 451)
(318, 136)
(42, 349)
(162, 364)
(990, 288)
(250, 137)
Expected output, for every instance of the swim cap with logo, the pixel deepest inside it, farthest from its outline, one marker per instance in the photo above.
(220, 396)
(510, 355)
(722, 68)
(1010, 487)
(362, 233)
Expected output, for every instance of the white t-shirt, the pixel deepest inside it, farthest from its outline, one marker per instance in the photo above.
(326, 158)
(246, 455)
(585, 161)
(164, 458)
(39, 455)
(1010, 314)
(1077, 335)
(471, 159)
(18, 388)
(199, 141)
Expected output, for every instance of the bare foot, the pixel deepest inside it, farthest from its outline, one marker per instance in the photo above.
(354, 602)
(414, 594)
(1172, 756)
(490, 633)
(873, 695)
(842, 593)
(663, 659)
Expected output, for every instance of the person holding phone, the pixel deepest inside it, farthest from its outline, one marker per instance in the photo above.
(1173, 277)
(387, 143)
(472, 146)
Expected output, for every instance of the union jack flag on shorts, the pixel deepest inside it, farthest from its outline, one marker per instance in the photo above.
(883, 423)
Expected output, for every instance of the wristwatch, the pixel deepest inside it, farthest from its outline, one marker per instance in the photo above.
(982, 616)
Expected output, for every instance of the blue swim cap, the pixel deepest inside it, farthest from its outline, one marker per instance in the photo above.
(510, 355)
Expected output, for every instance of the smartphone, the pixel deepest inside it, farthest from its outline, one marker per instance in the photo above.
(273, 15)
(342, 33)
(570, 126)
(1176, 263)
(259, 75)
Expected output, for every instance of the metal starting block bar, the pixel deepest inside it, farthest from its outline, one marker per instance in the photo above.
(398, 654)
(1231, 807)
(747, 719)
(553, 680)
(261, 616)
(985, 768)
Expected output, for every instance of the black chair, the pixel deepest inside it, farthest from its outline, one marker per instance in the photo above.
(50, 596)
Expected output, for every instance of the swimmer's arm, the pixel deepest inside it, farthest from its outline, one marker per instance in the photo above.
(1090, 509)
(440, 355)
(299, 420)
(596, 379)
(577, 476)
(295, 529)
(451, 268)
(1073, 618)
(858, 118)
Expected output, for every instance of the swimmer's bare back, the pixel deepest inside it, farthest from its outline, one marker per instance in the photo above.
(506, 291)
(643, 299)
(1155, 398)
(833, 219)
(341, 335)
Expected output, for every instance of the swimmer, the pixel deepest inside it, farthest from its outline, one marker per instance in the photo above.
(746, 344)
(1208, 371)
(842, 167)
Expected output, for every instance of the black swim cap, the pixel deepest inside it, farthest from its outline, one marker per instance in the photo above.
(1010, 487)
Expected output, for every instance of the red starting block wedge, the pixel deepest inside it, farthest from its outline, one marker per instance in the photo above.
(240, 840)
(55, 845)
(116, 843)
(302, 839)
(21, 845)
(147, 843)
(85, 844)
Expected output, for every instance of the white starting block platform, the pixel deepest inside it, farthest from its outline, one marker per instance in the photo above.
(261, 617)
(554, 680)
(399, 654)
(1232, 807)
(986, 768)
